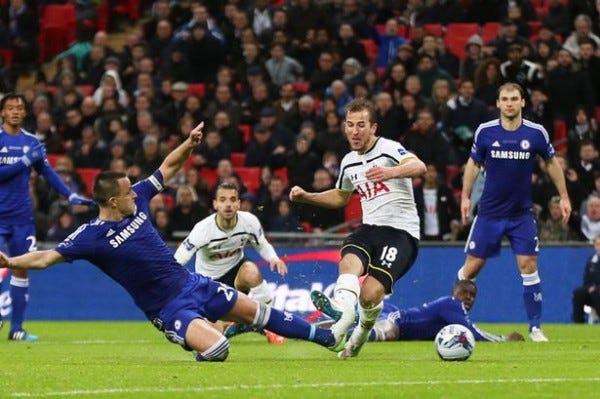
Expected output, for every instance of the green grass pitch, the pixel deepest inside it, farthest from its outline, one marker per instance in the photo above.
(133, 360)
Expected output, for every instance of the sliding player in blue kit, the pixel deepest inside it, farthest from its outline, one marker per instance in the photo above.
(122, 242)
(507, 149)
(20, 152)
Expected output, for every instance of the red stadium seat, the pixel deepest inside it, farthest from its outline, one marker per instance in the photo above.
(6, 56)
(129, 8)
(301, 87)
(198, 89)
(597, 114)
(489, 31)
(52, 158)
(436, 30)
(210, 175)
(457, 35)
(86, 90)
(283, 173)
(103, 13)
(560, 135)
(246, 131)
(450, 174)
(88, 175)
(57, 29)
(238, 158)
(250, 176)
(371, 49)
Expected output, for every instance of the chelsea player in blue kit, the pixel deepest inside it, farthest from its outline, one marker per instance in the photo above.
(21, 151)
(423, 323)
(122, 242)
(507, 149)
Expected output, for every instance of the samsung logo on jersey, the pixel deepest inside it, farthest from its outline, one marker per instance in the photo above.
(9, 160)
(128, 231)
(510, 154)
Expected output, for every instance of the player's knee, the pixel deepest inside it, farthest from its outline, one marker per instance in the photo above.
(249, 276)
(218, 352)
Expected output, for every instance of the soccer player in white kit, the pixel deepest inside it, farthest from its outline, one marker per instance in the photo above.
(386, 245)
(218, 242)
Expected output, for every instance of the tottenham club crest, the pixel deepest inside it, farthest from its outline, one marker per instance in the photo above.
(525, 144)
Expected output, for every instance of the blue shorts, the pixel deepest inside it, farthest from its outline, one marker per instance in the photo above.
(485, 238)
(200, 297)
(19, 238)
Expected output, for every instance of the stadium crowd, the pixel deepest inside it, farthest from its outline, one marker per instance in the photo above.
(271, 79)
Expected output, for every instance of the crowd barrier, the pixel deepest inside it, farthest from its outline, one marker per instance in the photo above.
(79, 291)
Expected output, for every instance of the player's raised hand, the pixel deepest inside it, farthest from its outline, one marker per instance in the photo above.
(196, 134)
(297, 193)
(280, 266)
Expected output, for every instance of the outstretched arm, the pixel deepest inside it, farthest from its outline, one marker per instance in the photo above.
(333, 198)
(409, 167)
(174, 161)
(31, 260)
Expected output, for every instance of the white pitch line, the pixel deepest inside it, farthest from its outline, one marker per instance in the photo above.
(245, 387)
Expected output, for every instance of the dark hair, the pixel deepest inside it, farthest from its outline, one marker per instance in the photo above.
(227, 186)
(11, 96)
(464, 283)
(362, 104)
(106, 186)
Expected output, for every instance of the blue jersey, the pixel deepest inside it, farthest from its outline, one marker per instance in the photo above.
(509, 158)
(424, 322)
(16, 206)
(131, 252)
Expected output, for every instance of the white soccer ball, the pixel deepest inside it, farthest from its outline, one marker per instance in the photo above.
(454, 342)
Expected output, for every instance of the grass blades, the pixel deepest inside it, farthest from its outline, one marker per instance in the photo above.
(133, 360)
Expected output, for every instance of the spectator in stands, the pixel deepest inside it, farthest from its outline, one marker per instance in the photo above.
(148, 157)
(21, 21)
(285, 107)
(388, 43)
(302, 163)
(589, 292)
(441, 95)
(267, 205)
(583, 30)
(89, 152)
(92, 68)
(200, 44)
(304, 15)
(438, 210)
(200, 183)
(582, 129)
(71, 127)
(539, 111)
(372, 82)
(473, 58)
(590, 221)
(282, 68)
(259, 100)
(306, 112)
(507, 35)
(264, 150)
(281, 133)
(339, 94)
(61, 228)
(487, 81)
(519, 70)
(326, 73)
(230, 134)
(408, 112)
(515, 14)
(589, 63)
(352, 73)
(557, 18)
(348, 46)
(428, 72)
(200, 14)
(224, 101)
(465, 114)
(110, 87)
(395, 78)
(225, 76)
(413, 86)
(286, 219)
(318, 217)
(587, 165)
(551, 228)
(162, 224)
(427, 142)
(174, 108)
(160, 10)
(47, 133)
(176, 66)
(117, 150)
(389, 121)
(211, 150)
(186, 212)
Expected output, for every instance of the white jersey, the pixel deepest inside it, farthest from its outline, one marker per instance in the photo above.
(218, 251)
(384, 203)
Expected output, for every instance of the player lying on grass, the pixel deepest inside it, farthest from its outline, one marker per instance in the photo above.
(122, 242)
(423, 323)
